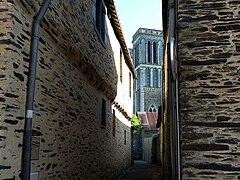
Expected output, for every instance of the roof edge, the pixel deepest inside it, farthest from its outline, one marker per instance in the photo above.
(113, 18)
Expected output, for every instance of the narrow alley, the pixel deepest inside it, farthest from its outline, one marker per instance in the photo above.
(142, 171)
(79, 99)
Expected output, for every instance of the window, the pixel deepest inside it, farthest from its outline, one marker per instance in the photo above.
(103, 113)
(152, 109)
(154, 52)
(125, 137)
(149, 51)
(100, 18)
(114, 123)
(130, 85)
(136, 55)
(159, 52)
(121, 56)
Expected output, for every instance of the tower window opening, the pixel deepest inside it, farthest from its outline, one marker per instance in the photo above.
(149, 51)
(136, 55)
(154, 52)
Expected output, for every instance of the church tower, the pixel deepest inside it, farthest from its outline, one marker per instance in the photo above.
(147, 55)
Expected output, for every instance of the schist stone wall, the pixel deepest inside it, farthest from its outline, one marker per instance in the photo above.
(209, 58)
(152, 96)
(75, 71)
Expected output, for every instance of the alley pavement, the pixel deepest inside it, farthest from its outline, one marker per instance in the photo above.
(142, 171)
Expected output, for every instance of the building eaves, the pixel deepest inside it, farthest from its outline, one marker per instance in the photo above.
(113, 18)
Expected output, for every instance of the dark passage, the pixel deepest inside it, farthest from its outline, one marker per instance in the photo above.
(142, 171)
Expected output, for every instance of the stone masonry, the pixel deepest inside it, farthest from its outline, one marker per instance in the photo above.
(75, 71)
(147, 55)
(209, 58)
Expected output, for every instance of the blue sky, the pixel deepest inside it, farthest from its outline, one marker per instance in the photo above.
(134, 14)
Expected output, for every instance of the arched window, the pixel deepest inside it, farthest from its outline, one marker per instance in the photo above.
(149, 51)
(136, 55)
(154, 52)
(160, 53)
(152, 108)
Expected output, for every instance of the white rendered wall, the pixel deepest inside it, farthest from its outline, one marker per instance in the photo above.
(123, 97)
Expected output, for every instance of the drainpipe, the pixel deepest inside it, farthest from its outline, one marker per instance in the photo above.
(178, 134)
(173, 61)
(27, 139)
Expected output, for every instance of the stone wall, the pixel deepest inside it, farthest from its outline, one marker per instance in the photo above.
(75, 71)
(209, 58)
(137, 146)
(152, 97)
(121, 153)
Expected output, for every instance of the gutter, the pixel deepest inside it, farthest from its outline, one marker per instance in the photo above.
(27, 139)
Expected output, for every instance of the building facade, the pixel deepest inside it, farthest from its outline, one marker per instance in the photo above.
(122, 108)
(203, 96)
(147, 55)
(76, 86)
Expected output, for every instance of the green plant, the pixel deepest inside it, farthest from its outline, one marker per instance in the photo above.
(135, 124)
